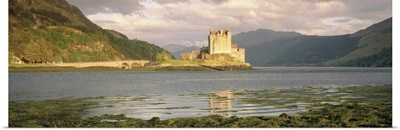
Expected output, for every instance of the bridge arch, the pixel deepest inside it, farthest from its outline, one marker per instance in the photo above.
(136, 65)
(125, 65)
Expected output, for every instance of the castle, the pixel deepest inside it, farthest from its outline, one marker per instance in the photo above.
(219, 42)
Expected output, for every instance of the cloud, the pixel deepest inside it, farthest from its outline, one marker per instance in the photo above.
(187, 22)
(215, 1)
(90, 7)
(170, 1)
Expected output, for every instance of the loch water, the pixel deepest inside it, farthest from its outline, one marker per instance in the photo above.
(171, 94)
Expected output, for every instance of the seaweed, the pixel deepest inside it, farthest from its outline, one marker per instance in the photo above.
(373, 111)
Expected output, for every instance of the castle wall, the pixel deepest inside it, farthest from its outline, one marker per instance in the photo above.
(241, 54)
(238, 53)
(234, 52)
(195, 54)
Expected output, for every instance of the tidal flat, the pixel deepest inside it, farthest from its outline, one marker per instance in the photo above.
(303, 106)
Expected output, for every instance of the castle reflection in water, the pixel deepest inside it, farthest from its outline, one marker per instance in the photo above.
(221, 103)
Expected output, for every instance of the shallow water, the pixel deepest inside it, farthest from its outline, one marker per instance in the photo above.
(189, 94)
(223, 103)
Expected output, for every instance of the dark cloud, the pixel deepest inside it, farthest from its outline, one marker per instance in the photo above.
(367, 6)
(369, 9)
(89, 7)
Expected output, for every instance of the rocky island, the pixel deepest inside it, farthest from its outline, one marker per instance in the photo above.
(220, 52)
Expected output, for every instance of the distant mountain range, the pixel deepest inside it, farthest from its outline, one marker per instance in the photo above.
(43, 31)
(369, 47)
(176, 49)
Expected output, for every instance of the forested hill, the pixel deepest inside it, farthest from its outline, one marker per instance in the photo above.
(366, 48)
(56, 31)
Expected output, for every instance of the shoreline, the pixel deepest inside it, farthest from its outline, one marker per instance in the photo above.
(87, 69)
(133, 69)
(375, 110)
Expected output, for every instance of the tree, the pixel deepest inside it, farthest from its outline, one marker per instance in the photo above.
(166, 55)
(163, 56)
(37, 52)
(185, 56)
(159, 57)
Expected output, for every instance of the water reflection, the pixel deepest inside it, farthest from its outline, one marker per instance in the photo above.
(221, 103)
(225, 103)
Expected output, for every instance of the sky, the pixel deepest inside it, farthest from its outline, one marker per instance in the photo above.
(187, 22)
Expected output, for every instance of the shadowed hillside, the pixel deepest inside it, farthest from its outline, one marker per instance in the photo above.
(373, 49)
(368, 47)
(251, 38)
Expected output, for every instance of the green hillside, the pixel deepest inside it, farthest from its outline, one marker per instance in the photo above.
(382, 59)
(368, 47)
(374, 40)
(46, 31)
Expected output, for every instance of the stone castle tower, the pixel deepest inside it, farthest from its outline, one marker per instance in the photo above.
(219, 42)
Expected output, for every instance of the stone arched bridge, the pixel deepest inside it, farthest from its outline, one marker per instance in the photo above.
(120, 64)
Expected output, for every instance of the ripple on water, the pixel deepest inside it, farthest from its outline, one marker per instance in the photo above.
(223, 103)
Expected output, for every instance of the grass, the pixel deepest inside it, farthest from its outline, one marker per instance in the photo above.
(374, 111)
(173, 62)
(183, 68)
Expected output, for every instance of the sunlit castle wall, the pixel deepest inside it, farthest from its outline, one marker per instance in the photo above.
(238, 53)
(219, 42)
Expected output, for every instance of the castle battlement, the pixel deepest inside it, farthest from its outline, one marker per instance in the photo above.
(217, 33)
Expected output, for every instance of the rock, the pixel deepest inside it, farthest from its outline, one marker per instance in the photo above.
(284, 115)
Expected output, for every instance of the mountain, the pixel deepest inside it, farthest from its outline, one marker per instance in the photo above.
(176, 49)
(177, 54)
(43, 31)
(369, 47)
(251, 38)
(300, 51)
(375, 40)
